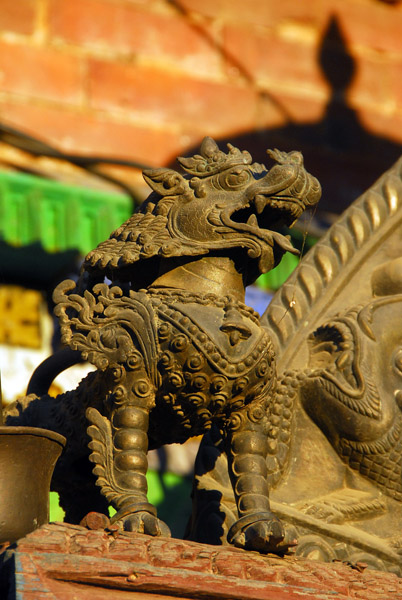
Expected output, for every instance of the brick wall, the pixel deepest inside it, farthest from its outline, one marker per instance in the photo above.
(147, 79)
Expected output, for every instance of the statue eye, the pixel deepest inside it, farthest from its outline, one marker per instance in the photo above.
(397, 361)
(236, 178)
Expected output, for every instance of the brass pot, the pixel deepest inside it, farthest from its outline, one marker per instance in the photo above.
(27, 459)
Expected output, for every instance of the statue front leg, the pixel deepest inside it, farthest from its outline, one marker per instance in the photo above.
(119, 450)
(246, 445)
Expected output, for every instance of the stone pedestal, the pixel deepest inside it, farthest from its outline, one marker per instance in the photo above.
(67, 562)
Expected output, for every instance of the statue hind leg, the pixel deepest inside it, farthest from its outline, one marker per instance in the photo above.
(246, 447)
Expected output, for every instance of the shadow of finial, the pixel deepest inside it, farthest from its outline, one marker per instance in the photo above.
(337, 64)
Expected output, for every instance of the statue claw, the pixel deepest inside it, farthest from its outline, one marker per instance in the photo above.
(144, 522)
(141, 517)
(262, 532)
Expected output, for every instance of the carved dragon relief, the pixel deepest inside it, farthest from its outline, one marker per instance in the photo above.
(176, 348)
(335, 439)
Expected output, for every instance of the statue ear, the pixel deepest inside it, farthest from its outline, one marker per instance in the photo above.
(166, 182)
(209, 147)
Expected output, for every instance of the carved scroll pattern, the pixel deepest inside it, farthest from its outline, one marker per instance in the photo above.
(101, 446)
(107, 327)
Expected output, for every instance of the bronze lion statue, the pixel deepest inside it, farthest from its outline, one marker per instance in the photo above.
(159, 310)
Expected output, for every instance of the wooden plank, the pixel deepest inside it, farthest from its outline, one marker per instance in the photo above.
(68, 562)
(175, 581)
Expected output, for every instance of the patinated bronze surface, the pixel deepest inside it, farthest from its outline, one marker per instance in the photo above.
(175, 347)
(334, 462)
(27, 459)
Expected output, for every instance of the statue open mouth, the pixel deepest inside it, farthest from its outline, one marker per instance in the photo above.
(261, 225)
(276, 199)
(335, 359)
(332, 348)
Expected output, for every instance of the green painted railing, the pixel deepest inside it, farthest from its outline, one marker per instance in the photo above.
(59, 216)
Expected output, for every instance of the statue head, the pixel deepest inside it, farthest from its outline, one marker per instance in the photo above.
(222, 203)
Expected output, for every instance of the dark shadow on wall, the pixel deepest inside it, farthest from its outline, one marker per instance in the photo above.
(337, 149)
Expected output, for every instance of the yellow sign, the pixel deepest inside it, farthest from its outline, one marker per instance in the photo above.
(20, 311)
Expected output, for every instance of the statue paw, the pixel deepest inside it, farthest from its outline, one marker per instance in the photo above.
(144, 522)
(262, 532)
(140, 517)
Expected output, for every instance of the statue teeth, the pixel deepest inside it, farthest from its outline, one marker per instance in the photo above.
(343, 360)
(252, 220)
(259, 204)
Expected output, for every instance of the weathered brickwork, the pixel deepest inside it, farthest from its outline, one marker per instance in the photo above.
(146, 80)
(189, 67)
